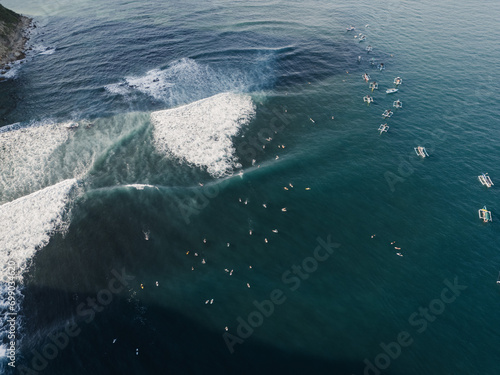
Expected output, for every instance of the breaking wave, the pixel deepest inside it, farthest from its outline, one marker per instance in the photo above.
(24, 160)
(26, 226)
(186, 80)
(201, 133)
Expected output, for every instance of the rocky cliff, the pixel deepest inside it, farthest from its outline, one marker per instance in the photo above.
(12, 35)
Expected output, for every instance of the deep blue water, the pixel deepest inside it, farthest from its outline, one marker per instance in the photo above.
(138, 211)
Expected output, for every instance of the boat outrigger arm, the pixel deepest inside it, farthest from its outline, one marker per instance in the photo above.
(485, 214)
(383, 128)
(387, 113)
(485, 179)
(421, 151)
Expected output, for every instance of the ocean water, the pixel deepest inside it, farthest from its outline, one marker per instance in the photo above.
(226, 204)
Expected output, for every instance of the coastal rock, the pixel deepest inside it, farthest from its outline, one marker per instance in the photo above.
(12, 36)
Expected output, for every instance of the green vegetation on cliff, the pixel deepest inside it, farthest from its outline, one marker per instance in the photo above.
(8, 21)
(12, 36)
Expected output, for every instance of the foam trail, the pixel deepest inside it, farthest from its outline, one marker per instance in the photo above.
(40, 49)
(26, 225)
(24, 156)
(141, 186)
(186, 80)
(200, 133)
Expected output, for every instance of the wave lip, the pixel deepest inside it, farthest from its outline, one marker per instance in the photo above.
(201, 133)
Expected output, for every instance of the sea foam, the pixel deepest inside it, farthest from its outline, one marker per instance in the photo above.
(201, 133)
(24, 157)
(186, 80)
(26, 225)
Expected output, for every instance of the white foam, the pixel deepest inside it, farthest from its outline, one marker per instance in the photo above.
(14, 68)
(156, 82)
(40, 49)
(118, 88)
(24, 157)
(48, 51)
(185, 81)
(27, 223)
(142, 186)
(201, 133)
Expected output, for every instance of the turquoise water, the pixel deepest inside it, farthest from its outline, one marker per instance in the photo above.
(136, 208)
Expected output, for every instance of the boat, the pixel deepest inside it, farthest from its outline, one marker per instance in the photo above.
(391, 91)
(397, 104)
(366, 77)
(387, 113)
(485, 214)
(369, 48)
(374, 85)
(421, 151)
(485, 180)
(351, 28)
(383, 128)
(362, 38)
(359, 59)
(368, 99)
(398, 81)
(381, 66)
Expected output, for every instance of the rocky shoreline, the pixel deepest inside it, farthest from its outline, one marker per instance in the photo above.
(14, 34)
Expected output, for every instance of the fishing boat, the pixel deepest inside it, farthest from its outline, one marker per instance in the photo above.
(397, 104)
(383, 128)
(398, 81)
(387, 113)
(368, 99)
(366, 77)
(485, 180)
(485, 214)
(373, 85)
(421, 151)
(391, 91)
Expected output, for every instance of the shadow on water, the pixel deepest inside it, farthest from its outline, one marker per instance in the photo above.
(76, 267)
(167, 343)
